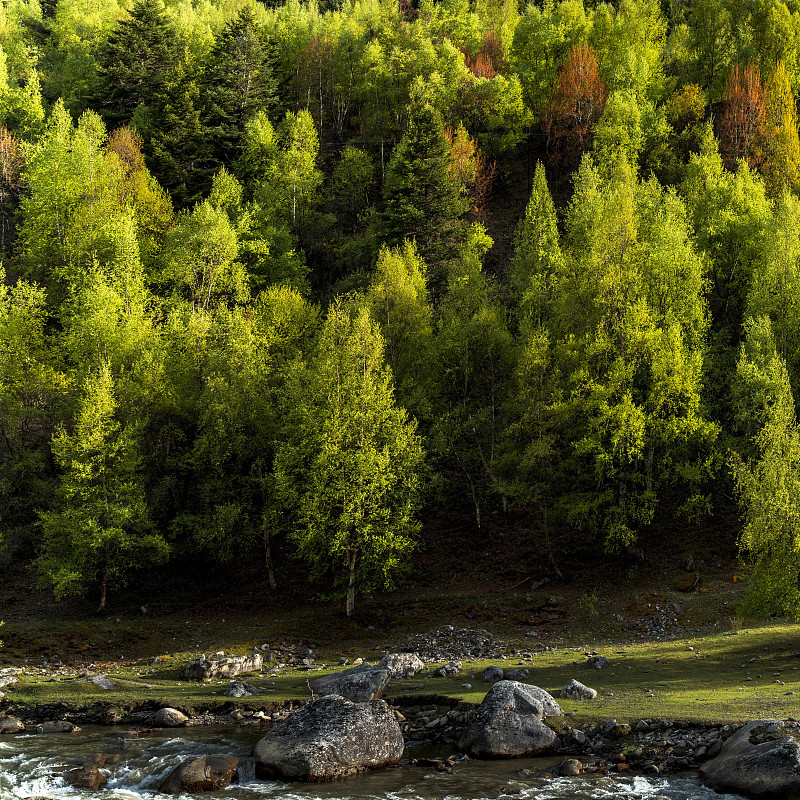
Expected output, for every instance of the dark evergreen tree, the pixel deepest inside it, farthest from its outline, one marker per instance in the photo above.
(238, 83)
(422, 196)
(135, 62)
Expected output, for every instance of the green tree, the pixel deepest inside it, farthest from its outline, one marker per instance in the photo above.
(237, 83)
(768, 485)
(537, 250)
(421, 195)
(350, 470)
(135, 62)
(99, 529)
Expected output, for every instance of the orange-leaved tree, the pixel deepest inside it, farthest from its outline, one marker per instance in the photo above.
(741, 123)
(577, 104)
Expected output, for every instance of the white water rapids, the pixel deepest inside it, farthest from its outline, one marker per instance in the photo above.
(29, 767)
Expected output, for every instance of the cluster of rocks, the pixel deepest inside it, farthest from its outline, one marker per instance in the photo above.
(288, 655)
(451, 644)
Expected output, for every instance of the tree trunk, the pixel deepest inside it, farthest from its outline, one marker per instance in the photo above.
(268, 559)
(351, 591)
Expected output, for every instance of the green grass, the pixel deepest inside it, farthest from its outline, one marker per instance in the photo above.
(705, 684)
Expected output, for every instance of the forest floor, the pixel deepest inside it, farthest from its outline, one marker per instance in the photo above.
(666, 619)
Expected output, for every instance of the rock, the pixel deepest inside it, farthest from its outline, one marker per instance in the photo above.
(570, 768)
(359, 684)
(579, 737)
(328, 739)
(689, 582)
(447, 670)
(60, 726)
(598, 662)
(575, 690)
(6, 671)
(11, 725)
(207, 669)
(401, 665)
(749, 765)
(8, 681)
(508, 723)
(168, 718)
(205, 774)
(239, 689)
(449, 643)
(516, 674)
(87, 776)
(102, 682)
(492, 674)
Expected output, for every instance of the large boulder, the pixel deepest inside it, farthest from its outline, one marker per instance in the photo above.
(204, 774)
(402, 665)
(757, 760)
(11, 725)
(55, 726)
(169, 718)
(509, 723)
(575, 690)
(209, 669)
(328, 739)
(447, 670)
(359, 684)
(86, 776)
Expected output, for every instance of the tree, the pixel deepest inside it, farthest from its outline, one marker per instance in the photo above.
(350, 471)
(135, 62)
(422, 198)
(782, 146)
(577, 104)
(537, 251)
(12, 160)
(768, 488)
(237, 84)
(99, 529)
(741, 124)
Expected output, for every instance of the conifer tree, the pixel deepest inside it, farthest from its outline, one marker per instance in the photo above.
(136, 61)
(421, 194)
(237, 84)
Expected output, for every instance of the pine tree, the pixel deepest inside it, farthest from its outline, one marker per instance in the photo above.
(421, 194)
(237, 84)
(99, 530)
(135, 62)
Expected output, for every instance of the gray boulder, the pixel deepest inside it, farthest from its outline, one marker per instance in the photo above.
(240, 689)
(58, 726)
(204, 774)
(598, 662)
(492, 674)
(447, 670)
(169, 718)
(509, 723)
(328, 739)
(11, 725)
(359, 684)
(402, 665)
(757, 760)
(209, 669)
(102, 682)
(575, 690)
(516, 674)
(8, 681)
(87, 776)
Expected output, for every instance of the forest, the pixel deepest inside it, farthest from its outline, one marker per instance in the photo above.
(260, 279)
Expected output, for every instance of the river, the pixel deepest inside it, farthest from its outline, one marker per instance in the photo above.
(29, 767)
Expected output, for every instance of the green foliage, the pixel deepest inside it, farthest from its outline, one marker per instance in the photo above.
(99, 528)
(768, 484)
(350, 470)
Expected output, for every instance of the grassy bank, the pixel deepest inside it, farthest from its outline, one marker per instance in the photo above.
(730, 676)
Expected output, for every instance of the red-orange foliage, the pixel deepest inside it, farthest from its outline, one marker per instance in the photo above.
(489, 59)
(12, 160)
(470, 170)
(577, 104)
(741, 123)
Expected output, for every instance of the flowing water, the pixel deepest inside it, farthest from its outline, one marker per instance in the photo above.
(29, 767)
